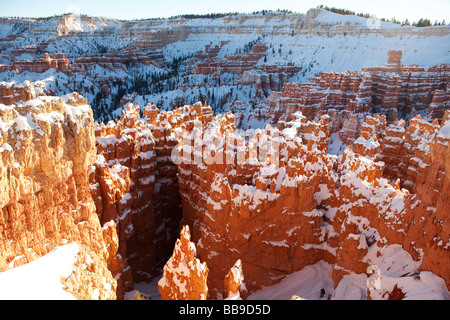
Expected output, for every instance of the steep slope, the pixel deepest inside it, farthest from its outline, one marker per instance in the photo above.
(47, 148)
(395, 91)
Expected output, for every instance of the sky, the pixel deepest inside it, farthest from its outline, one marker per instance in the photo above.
(413, 10)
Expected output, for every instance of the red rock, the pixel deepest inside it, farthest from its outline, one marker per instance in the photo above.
(47, 150)
(17, 93)
(234, 283)
(392, 90)
(184, 275)
(243, 198)
(395, 57)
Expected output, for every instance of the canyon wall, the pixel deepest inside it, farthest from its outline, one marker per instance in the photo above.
(395, 91)
(239, 59)
(273, 199)
(115, 185)
(134, 183)
(47, 146)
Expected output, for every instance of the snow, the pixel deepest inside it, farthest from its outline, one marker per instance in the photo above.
(76, 113)
(316, 53)
(147, 289)
(236, 270)
(24, 123)
(444, 132)
(41, 278)
(352, 287)
(322, 194)
(368, 143)
(281, 243)
(305, 283)
(252, 196)
(289, 34)
(334, 18)
(5, 147)
(395, 267)
(335, 145)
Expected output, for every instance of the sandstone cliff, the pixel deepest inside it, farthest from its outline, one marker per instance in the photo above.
(272, 199)
(47, 148)
(134, 184)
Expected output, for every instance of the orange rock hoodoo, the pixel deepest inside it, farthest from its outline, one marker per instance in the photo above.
(134, 184)
(274, 199)
(234, 282)
(184, 275)
(280, 214)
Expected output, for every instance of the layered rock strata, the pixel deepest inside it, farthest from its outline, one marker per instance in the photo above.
(393, 90)
(47, 146)
(280, 211)
(134, 183)
(274, 199)
(259, 197)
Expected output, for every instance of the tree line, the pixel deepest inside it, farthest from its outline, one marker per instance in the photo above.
(423, 22)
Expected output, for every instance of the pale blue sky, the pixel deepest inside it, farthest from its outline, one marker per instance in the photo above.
(137, 9)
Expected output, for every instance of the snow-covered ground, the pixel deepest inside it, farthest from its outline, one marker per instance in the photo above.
(336, 146)
(147, 289)
(395, 265)
(41, 278)
(306, 283)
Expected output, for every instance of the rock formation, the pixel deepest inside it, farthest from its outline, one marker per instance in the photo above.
(66, 272)
(252, 185)
(134, 185)
(320, 206)
(269, 201)
(184, 275)
(391, 90)
(234, 283)
(241, 57)
(340, 208)
(47, 149)
(12, 93)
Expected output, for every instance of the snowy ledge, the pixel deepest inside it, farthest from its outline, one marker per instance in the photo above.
(41, 278)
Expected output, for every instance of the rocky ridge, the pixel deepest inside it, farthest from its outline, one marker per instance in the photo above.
(274, 178)
(339, 207)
